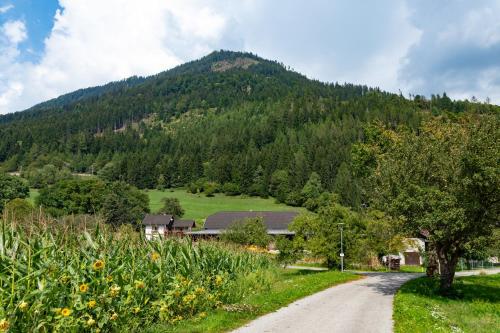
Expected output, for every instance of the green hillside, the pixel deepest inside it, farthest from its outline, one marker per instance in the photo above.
(198, 206)
(230, 119)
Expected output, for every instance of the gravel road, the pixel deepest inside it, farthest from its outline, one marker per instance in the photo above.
(361, 306)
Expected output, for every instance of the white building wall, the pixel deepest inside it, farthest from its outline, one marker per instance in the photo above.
(150, 234)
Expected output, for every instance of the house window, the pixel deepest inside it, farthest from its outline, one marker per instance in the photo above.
(154, 228)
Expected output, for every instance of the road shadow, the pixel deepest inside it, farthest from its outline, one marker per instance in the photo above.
(388, 283)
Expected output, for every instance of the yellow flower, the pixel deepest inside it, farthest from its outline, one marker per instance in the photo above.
(155, 256)
(84, 288)
(98, 265)
(4, 325)
(114, 290)
(188, 298)
(109, 278)
(91, 304)
(65, 312)
(23, 306)
(136, 310)
(199, 290)
(90, 322)
(140, 285)
(114, 316)
(218, 280)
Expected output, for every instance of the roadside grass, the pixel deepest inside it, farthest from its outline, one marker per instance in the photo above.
(411, 269)
(475, 306)
(289, 286)
(198, 206)
(310, 264)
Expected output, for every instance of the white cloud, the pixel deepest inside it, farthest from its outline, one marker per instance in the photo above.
(93, 42)
(416, 46)
(6, 8)
(458, 50)
(15, 31)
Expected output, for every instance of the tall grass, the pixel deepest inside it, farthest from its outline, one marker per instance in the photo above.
(57, 276)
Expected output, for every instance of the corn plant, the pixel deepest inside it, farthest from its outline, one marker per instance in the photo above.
(58, 277)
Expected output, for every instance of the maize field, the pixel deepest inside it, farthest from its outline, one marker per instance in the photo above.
(63, 279)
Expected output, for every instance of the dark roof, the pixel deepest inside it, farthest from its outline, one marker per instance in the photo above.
(156, 219)
(165, 219)
(272, 220)
(184, 224)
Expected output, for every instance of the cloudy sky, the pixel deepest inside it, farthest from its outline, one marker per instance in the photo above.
(52, 47)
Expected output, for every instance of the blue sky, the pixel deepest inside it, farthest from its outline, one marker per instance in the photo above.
(50, 47)
(38, 17)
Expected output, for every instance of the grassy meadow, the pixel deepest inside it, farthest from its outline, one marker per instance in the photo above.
(474, 306)
(33, 195)
(198, 206)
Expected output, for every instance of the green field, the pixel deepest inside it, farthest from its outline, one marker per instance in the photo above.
(33, 194)
(198, 206)
(473, 307)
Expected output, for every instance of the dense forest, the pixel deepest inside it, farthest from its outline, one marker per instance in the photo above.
(230, 122)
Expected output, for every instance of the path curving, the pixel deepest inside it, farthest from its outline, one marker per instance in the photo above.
(361, 306)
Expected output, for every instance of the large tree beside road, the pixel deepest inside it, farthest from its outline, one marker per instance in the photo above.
(443, 181)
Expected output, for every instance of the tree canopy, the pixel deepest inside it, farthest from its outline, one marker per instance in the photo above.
(444, 180)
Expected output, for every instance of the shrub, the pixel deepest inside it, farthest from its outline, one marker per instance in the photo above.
(288, 253)
(172, 206)
(231, 189)
(19, 208)
(211, 188)
(12, 187)
(247, 232)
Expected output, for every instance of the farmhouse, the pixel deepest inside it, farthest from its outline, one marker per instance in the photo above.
(411, 255)
(276, 223)
(163, 224)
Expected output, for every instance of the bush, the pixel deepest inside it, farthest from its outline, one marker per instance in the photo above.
(288, 253)
(19, 208)
(12, 187)
(211, 188)
(172, 206)
(192, 188)
(294, 199)
(231, 189)
(247, 232)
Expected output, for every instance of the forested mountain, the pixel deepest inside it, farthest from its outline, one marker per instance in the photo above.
(230, 118)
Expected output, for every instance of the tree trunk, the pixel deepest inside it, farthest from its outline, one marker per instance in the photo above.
(447, 264)
(432, 262)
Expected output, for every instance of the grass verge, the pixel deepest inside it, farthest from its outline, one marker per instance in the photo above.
(475, 306)
(289, 286)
